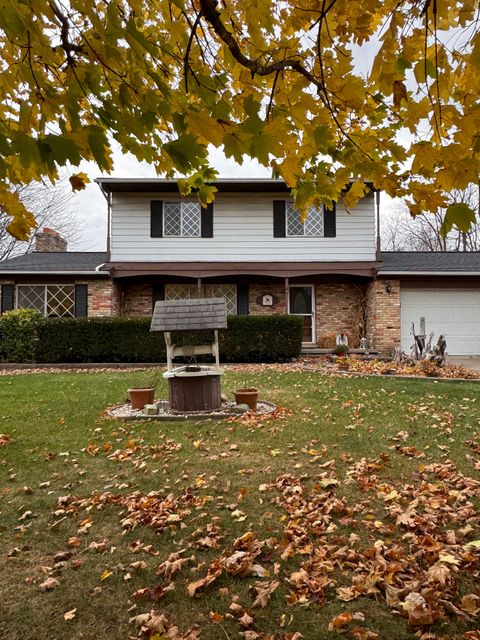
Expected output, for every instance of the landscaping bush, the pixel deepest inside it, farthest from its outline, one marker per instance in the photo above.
(99, 340)
(273, 338)
(248, 339)
(18, 335)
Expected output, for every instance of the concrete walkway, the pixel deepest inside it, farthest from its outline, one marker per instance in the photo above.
(472, 362)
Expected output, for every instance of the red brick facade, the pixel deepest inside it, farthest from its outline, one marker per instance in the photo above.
(103, 298)
(340, 306)
(383, 313)
(137, 300)
(255, 293)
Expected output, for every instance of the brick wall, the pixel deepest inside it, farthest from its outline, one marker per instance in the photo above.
(137, 300)
(257, 290)
(383, 309)
(339, 306)
(103, 298)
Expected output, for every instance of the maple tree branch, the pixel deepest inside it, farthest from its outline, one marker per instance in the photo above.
(270, 102)
(68, 46)
(436, 60)
(324, 90)
(186, 63)
(437, 127)
(212, 15)
(30, 64)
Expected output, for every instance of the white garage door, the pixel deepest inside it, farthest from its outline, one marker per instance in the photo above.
(449, 311)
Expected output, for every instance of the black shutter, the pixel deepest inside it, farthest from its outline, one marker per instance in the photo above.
(330, 222)
(81, 300)
(279, 219)
(7, 297)
(156, 219)
(242, 300)
(158, 293)
(207, 221)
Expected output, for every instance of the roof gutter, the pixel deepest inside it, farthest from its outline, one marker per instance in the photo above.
(429, 273)
(55, 273)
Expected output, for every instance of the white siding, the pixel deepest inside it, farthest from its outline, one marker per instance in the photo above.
(243, 231)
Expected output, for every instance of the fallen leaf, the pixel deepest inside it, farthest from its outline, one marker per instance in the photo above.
(214, 571)
(340, 621)
(70, 615)
(48, 584)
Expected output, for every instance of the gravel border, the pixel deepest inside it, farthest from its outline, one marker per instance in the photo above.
(265, 406)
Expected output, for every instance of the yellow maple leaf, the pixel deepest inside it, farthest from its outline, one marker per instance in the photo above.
(79, 181)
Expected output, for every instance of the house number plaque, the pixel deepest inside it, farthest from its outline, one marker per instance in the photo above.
(267, 300)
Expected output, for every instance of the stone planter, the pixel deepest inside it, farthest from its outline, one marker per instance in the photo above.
(139, 397)
(247, 396)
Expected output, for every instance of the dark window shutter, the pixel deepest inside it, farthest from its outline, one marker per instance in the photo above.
(81, 300)
(8, 292)
(156, 219)
(207, 221)
(158, 293)
(279, 219)
(330, 222)
(242, 300)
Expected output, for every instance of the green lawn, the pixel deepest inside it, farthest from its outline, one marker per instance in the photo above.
(363, 493)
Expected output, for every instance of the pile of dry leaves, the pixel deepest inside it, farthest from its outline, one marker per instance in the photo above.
(411, 546)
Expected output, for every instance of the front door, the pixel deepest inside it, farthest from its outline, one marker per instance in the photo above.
(301, 302)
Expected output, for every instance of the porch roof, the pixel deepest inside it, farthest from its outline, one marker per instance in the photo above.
(216, 269)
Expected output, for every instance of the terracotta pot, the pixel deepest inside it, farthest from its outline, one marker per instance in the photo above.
(247, 396)
(140, 397)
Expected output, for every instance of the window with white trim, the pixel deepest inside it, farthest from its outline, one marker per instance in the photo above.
(313, 225)
(190, 291)
(182, 219)
(51, 300)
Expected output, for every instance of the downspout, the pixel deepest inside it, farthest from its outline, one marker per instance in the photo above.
(108, 198)
(378, 254)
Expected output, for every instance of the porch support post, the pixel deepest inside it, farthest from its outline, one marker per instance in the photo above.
(286, 294)
(199, 286)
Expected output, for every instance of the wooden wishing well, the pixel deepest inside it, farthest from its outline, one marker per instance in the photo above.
(191, 387)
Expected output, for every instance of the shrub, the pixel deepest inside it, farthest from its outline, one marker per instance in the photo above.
(273, 338)
(340, 349)
(18, 335)
(98, 340)
(247, 339)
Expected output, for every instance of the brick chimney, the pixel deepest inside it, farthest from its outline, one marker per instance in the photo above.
(49, 240)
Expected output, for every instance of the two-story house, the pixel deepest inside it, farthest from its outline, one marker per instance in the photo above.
(251, 248)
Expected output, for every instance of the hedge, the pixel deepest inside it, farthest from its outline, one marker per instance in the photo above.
(247, 339)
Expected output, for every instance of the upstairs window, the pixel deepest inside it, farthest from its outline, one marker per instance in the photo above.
(313, 225)
(182, 219)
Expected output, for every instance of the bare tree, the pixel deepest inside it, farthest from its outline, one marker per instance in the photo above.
(52, 207)
(401, 232)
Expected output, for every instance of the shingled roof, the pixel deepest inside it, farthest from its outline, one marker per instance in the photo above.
(68, 262)
(424, 262)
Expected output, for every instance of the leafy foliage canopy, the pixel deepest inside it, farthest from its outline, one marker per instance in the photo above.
(278, 81)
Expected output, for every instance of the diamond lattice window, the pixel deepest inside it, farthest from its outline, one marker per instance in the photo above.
(31, 297)
(313, 225)
(190, 291)
(181, 219)
(50, 300)
(60, 301)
